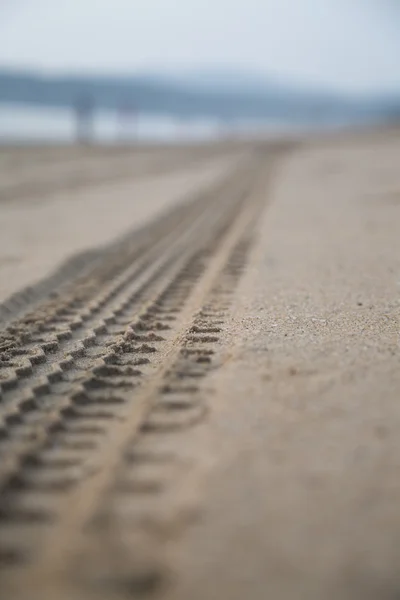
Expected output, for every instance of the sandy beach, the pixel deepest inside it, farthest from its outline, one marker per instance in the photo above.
(206, 406)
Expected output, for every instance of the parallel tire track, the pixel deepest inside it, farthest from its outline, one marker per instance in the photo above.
(91, 375)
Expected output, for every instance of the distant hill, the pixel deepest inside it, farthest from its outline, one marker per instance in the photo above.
(233, 81)
(215, 94)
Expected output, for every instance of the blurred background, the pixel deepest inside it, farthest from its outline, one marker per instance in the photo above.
(123, 71)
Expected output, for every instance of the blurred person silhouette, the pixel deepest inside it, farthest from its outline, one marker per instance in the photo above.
(84, 110)
(127, 116)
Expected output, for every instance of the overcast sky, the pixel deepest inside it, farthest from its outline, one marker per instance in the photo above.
(347, 44)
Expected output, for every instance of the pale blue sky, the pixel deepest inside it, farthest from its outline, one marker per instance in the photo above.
(346, 44)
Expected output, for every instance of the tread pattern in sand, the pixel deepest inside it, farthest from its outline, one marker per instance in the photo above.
(95, 378)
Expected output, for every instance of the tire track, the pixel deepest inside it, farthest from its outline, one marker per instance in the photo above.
(99, 263)
(23, 390)
(149, 502)
(121, 356)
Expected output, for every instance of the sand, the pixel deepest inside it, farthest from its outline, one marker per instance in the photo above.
(302, 497)
(38, 234)
(289, 483)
